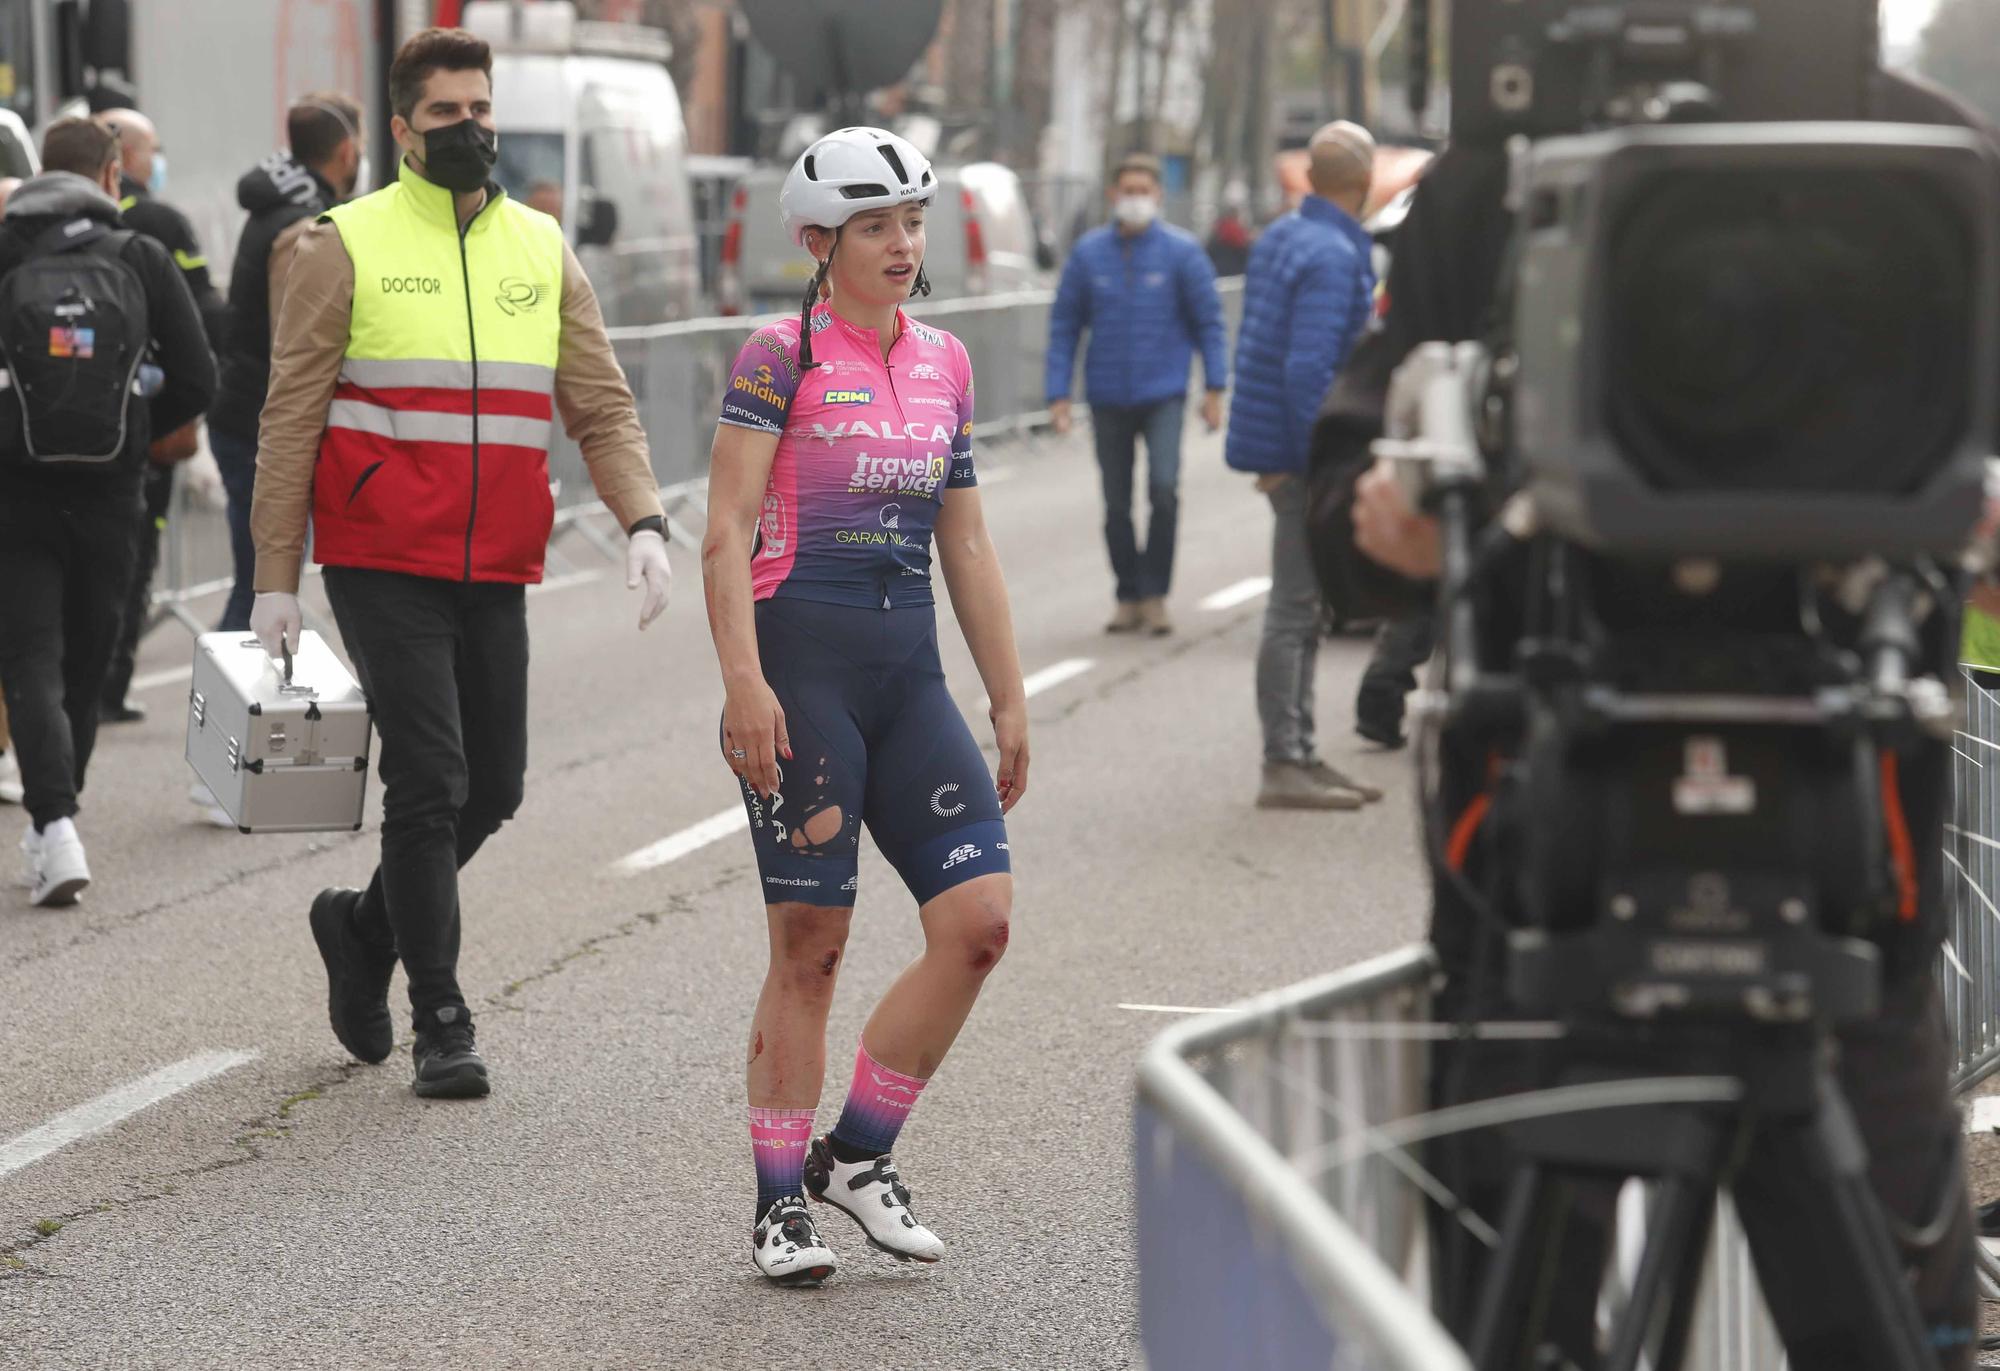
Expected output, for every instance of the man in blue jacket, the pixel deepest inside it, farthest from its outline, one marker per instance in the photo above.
(1146, 292)
(1307, 297)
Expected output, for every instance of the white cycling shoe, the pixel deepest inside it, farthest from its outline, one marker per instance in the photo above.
(787, 1246)
(873, 1196)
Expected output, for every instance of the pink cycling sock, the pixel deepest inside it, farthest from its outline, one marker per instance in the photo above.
(778, 1139)
(877, 1104)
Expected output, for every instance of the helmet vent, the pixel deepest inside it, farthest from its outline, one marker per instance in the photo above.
(927, 176)
(867, 192)
(895, 163)
(812, 171)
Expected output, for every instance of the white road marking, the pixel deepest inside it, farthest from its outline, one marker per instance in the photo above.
(1049, 677)
(1167, 1009)
(564, 582)
(101, 1113)
(173, 675)
(1231, 596)
(691, 839)
(1984, 1114)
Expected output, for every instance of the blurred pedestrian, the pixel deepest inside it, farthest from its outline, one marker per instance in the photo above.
(70, 471)
(1307, 297)
(424, 473)
(1146, 293)
(142, 180)
(1229, 239)
(282, 194)
(547, 197)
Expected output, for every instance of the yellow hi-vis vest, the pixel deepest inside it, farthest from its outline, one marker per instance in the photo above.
(435, 456)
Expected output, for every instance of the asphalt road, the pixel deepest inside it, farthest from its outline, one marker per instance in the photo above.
(295, 1209)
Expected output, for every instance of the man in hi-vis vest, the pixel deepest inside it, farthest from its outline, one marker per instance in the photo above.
(428, 336)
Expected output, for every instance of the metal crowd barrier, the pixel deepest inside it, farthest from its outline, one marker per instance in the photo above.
(678, 373)
(1267, 1244)
(1281, 1224)
(1969, 970)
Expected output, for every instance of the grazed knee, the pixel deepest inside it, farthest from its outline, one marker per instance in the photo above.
(982, 930)
(807, 943)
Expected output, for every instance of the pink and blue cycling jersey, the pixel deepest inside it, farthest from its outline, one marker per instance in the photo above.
(866, 450)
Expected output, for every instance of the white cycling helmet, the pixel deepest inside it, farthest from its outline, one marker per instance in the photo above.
(851, 171)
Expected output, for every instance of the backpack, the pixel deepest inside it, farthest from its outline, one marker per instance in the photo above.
(74, 328)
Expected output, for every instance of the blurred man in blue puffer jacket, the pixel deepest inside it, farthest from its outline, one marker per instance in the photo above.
(1146, 292)
(1307, 296)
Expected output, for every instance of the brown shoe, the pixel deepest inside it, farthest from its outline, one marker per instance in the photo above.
(1340, 779)
(1125, 619)
(1291, 785)
(1153, 617)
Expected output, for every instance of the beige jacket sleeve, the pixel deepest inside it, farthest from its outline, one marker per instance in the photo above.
(596, 405)
(283, 249)
(307, 348)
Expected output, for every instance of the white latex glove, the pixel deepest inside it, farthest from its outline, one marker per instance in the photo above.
(646, 560)
(275, 619)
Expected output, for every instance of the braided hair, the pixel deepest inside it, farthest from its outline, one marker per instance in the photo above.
(818, 283)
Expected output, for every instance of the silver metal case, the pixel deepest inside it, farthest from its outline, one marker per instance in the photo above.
(280, 757)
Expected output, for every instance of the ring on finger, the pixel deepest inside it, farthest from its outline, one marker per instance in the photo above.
(738, 753)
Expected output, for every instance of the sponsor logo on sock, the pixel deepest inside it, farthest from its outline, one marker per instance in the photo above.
(898, 1086)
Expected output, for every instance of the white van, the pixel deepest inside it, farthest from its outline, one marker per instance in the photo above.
(591, 131)
(980, 240)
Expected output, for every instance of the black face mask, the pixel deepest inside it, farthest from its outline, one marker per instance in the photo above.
(460, 156)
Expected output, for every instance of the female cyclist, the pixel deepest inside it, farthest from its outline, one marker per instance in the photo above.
(845, 441)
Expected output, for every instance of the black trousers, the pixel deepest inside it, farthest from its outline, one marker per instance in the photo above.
(445, 665)
(65, 565)
(1893, 1072)
(146, 531)
(1401, 647)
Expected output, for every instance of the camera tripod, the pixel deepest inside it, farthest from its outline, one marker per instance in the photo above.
(1790, 1114)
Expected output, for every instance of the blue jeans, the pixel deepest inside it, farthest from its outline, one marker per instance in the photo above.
(236, 458)
(1140, 574)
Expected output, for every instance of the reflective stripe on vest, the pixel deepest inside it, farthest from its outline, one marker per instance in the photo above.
(435, 456)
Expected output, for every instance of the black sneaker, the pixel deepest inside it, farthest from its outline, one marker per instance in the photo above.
(122, 712)
(449, 1067)
(787, 1247)
(357, 978)
(1381, 733)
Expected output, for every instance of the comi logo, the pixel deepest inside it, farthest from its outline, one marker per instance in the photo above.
(863, 396)
(519, 297)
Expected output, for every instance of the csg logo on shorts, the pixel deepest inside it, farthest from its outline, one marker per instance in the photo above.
(960, 856)
(860, 395)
